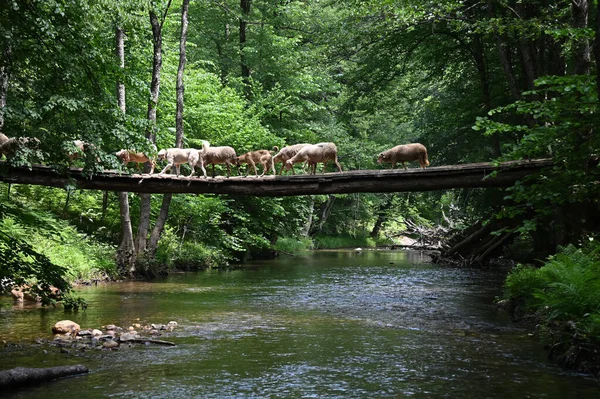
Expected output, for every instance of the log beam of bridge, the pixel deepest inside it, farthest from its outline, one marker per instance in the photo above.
(381, 180)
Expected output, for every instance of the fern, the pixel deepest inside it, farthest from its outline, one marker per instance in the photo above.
(567, 287)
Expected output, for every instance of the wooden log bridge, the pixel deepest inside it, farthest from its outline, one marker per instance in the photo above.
(382, 180)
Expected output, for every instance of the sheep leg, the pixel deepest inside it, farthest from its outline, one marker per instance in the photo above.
(272, 166)
(228, 170)
(178, 169)
(213, 170)
(192, 164)
(202, 167)
(152, 166)
(166, 169)
(251, 162)
(338, 165)
(404, 165)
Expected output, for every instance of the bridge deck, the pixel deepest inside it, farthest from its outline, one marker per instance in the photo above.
(383, 180)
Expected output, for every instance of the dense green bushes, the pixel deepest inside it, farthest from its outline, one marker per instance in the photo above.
(78, 256)
(566, 289)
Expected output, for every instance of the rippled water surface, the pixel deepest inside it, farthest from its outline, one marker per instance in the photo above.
(376, 324)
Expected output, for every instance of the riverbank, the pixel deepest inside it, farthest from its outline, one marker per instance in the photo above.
(560, 301)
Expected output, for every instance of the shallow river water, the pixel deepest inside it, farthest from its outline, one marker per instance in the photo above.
(375, 324)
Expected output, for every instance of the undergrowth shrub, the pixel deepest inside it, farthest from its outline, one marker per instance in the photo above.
(293, 245)
(189, 256)
(565, 289)
(81, 257)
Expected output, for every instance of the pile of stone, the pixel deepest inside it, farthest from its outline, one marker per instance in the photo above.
(110, 337)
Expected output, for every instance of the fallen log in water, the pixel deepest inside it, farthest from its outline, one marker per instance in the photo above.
(23, 375)
(150, 341)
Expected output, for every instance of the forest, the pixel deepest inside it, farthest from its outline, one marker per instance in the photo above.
(473, 81)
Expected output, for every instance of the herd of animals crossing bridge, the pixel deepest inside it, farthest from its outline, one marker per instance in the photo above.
(473, 175)
(381, 180)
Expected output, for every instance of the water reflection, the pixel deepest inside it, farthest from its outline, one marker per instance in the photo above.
(347, 324)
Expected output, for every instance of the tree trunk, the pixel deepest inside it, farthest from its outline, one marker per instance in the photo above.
(27, 376)
(4, 76)
(245, 5)
(484, 80)
(159, 226)
(120, 49)
(161, 220)
(309, 221)
(597, 50)
(582, 51)
(126, 251)
(325, 211)
(504, 55)
(180, 85)
(381, 218)
(104, 205)
(145, 199)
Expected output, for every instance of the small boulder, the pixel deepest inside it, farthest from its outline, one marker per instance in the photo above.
(96, 332)
(126, 337)
(110, 344)
(66, 326)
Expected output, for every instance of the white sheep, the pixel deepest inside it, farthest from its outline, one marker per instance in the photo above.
(178, 156)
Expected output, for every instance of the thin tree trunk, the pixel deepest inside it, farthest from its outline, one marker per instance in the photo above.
(580, 14)
(245, 5)
(180, 85)
(126, 251)
(308, 225)
(381, 218)
(159, 226)
(145, 199)
(597, 50)
(504, 55)
(120, 49)
(104, 204)
(180, 88)
(325, 212)
(484, 81)
(4, 77)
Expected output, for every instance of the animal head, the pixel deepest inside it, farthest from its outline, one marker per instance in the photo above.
(121, 154)
(162, 154)
(381, 158)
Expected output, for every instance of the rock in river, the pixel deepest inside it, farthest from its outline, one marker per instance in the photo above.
(66, 326)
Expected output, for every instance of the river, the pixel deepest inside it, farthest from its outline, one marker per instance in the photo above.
(339, 324)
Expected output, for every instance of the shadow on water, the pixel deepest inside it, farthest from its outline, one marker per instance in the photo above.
(334, 324)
